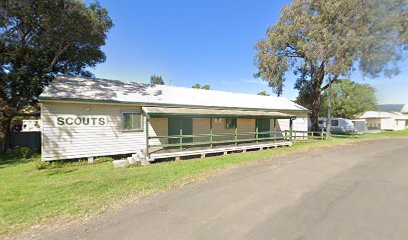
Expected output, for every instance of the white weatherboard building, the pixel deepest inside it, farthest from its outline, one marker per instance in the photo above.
(392, 121)
(86, 118)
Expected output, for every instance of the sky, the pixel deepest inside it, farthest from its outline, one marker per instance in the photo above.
(206, 42)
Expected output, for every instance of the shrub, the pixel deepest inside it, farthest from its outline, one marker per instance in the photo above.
(40, 164)
(23, 152)
(104, 159)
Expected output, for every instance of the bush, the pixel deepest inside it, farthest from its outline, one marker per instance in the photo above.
(39, 164)
(23, 152)
(104, 159)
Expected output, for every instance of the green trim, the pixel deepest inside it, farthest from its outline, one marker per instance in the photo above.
(147, 136)
(160, 115)
(78, 100)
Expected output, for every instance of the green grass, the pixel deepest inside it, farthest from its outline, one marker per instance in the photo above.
(73, 190)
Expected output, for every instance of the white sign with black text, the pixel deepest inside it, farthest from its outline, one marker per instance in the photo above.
(77, 121)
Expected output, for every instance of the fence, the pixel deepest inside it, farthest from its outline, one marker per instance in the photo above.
(26, 139)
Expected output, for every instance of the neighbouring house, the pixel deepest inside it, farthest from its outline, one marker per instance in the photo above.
(87, 118)
(402, 108)
(385, 120)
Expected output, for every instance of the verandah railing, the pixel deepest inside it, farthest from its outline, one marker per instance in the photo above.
(189, 140)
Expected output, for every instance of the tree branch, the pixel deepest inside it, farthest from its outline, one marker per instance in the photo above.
(56, 56)
(335, 79)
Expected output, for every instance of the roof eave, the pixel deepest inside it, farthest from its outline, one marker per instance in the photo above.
(78, 100)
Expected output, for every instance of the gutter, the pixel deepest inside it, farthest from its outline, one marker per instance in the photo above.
(112, 102)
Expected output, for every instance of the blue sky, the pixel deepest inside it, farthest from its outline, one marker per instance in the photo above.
(207, 42)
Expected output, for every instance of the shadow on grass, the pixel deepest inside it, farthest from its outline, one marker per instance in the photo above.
(6, 161)
(60, 171)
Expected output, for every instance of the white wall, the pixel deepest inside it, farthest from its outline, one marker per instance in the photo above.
(69, 142)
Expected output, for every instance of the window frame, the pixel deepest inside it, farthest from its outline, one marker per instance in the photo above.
(141, 129)
(233, 119)
(335, 121)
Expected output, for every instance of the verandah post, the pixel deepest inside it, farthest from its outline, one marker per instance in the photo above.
(274, 130)
(181, 137)
(147, 136)
(211, 133)
(256, 129)
(290, 129)
(236, 134)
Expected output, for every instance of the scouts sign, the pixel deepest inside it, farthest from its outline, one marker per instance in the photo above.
(63, 121)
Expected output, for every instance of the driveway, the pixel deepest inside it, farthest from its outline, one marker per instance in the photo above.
(356, 191)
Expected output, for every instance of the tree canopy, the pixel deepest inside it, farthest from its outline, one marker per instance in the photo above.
(156, 79)
(39, 39)
(322, 40)
(349, 99)
(198, 86)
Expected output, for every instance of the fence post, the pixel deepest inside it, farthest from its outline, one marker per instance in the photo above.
(322, 134)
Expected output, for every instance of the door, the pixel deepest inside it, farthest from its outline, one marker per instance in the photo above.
(264, 125)
(177, 124)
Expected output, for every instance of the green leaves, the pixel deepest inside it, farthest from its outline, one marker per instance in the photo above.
(349, 99)
(337, 33)
(39, 39)
(156, 79)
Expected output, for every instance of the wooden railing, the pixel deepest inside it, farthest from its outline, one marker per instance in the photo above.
(235, 138)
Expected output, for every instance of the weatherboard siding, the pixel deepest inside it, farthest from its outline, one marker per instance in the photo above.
(69, 142)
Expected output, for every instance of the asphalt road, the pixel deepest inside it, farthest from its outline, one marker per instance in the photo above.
(357, 191)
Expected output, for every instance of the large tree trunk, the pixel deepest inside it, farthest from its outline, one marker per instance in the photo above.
(317, 81)
(5, 132)
(315, 107)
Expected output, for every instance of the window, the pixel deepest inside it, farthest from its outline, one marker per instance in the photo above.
(132, 121)
(230, 123)
(335, 123)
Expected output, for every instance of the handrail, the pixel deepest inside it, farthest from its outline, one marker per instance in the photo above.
(284, 135)
(216, 134)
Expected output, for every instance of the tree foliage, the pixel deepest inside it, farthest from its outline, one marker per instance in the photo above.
(323, 40)
(39, 39)
(349, 99)
(198, 86)
(156, 79)
(264, 93)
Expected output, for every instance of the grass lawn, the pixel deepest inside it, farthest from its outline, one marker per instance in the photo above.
(29, 196)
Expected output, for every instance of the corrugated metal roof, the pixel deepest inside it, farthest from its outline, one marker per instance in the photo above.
(96, 89)
(393, 108)
(375, 114)
(168, 111)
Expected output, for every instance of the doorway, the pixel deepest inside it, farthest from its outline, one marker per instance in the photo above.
(264, 125)
(176, 125)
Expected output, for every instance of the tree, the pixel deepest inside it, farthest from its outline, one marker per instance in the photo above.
(206, 87)
(326, 39)
(349, 99)
(157, 80)
(198, 86)
(39, 39)
(264, 93)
